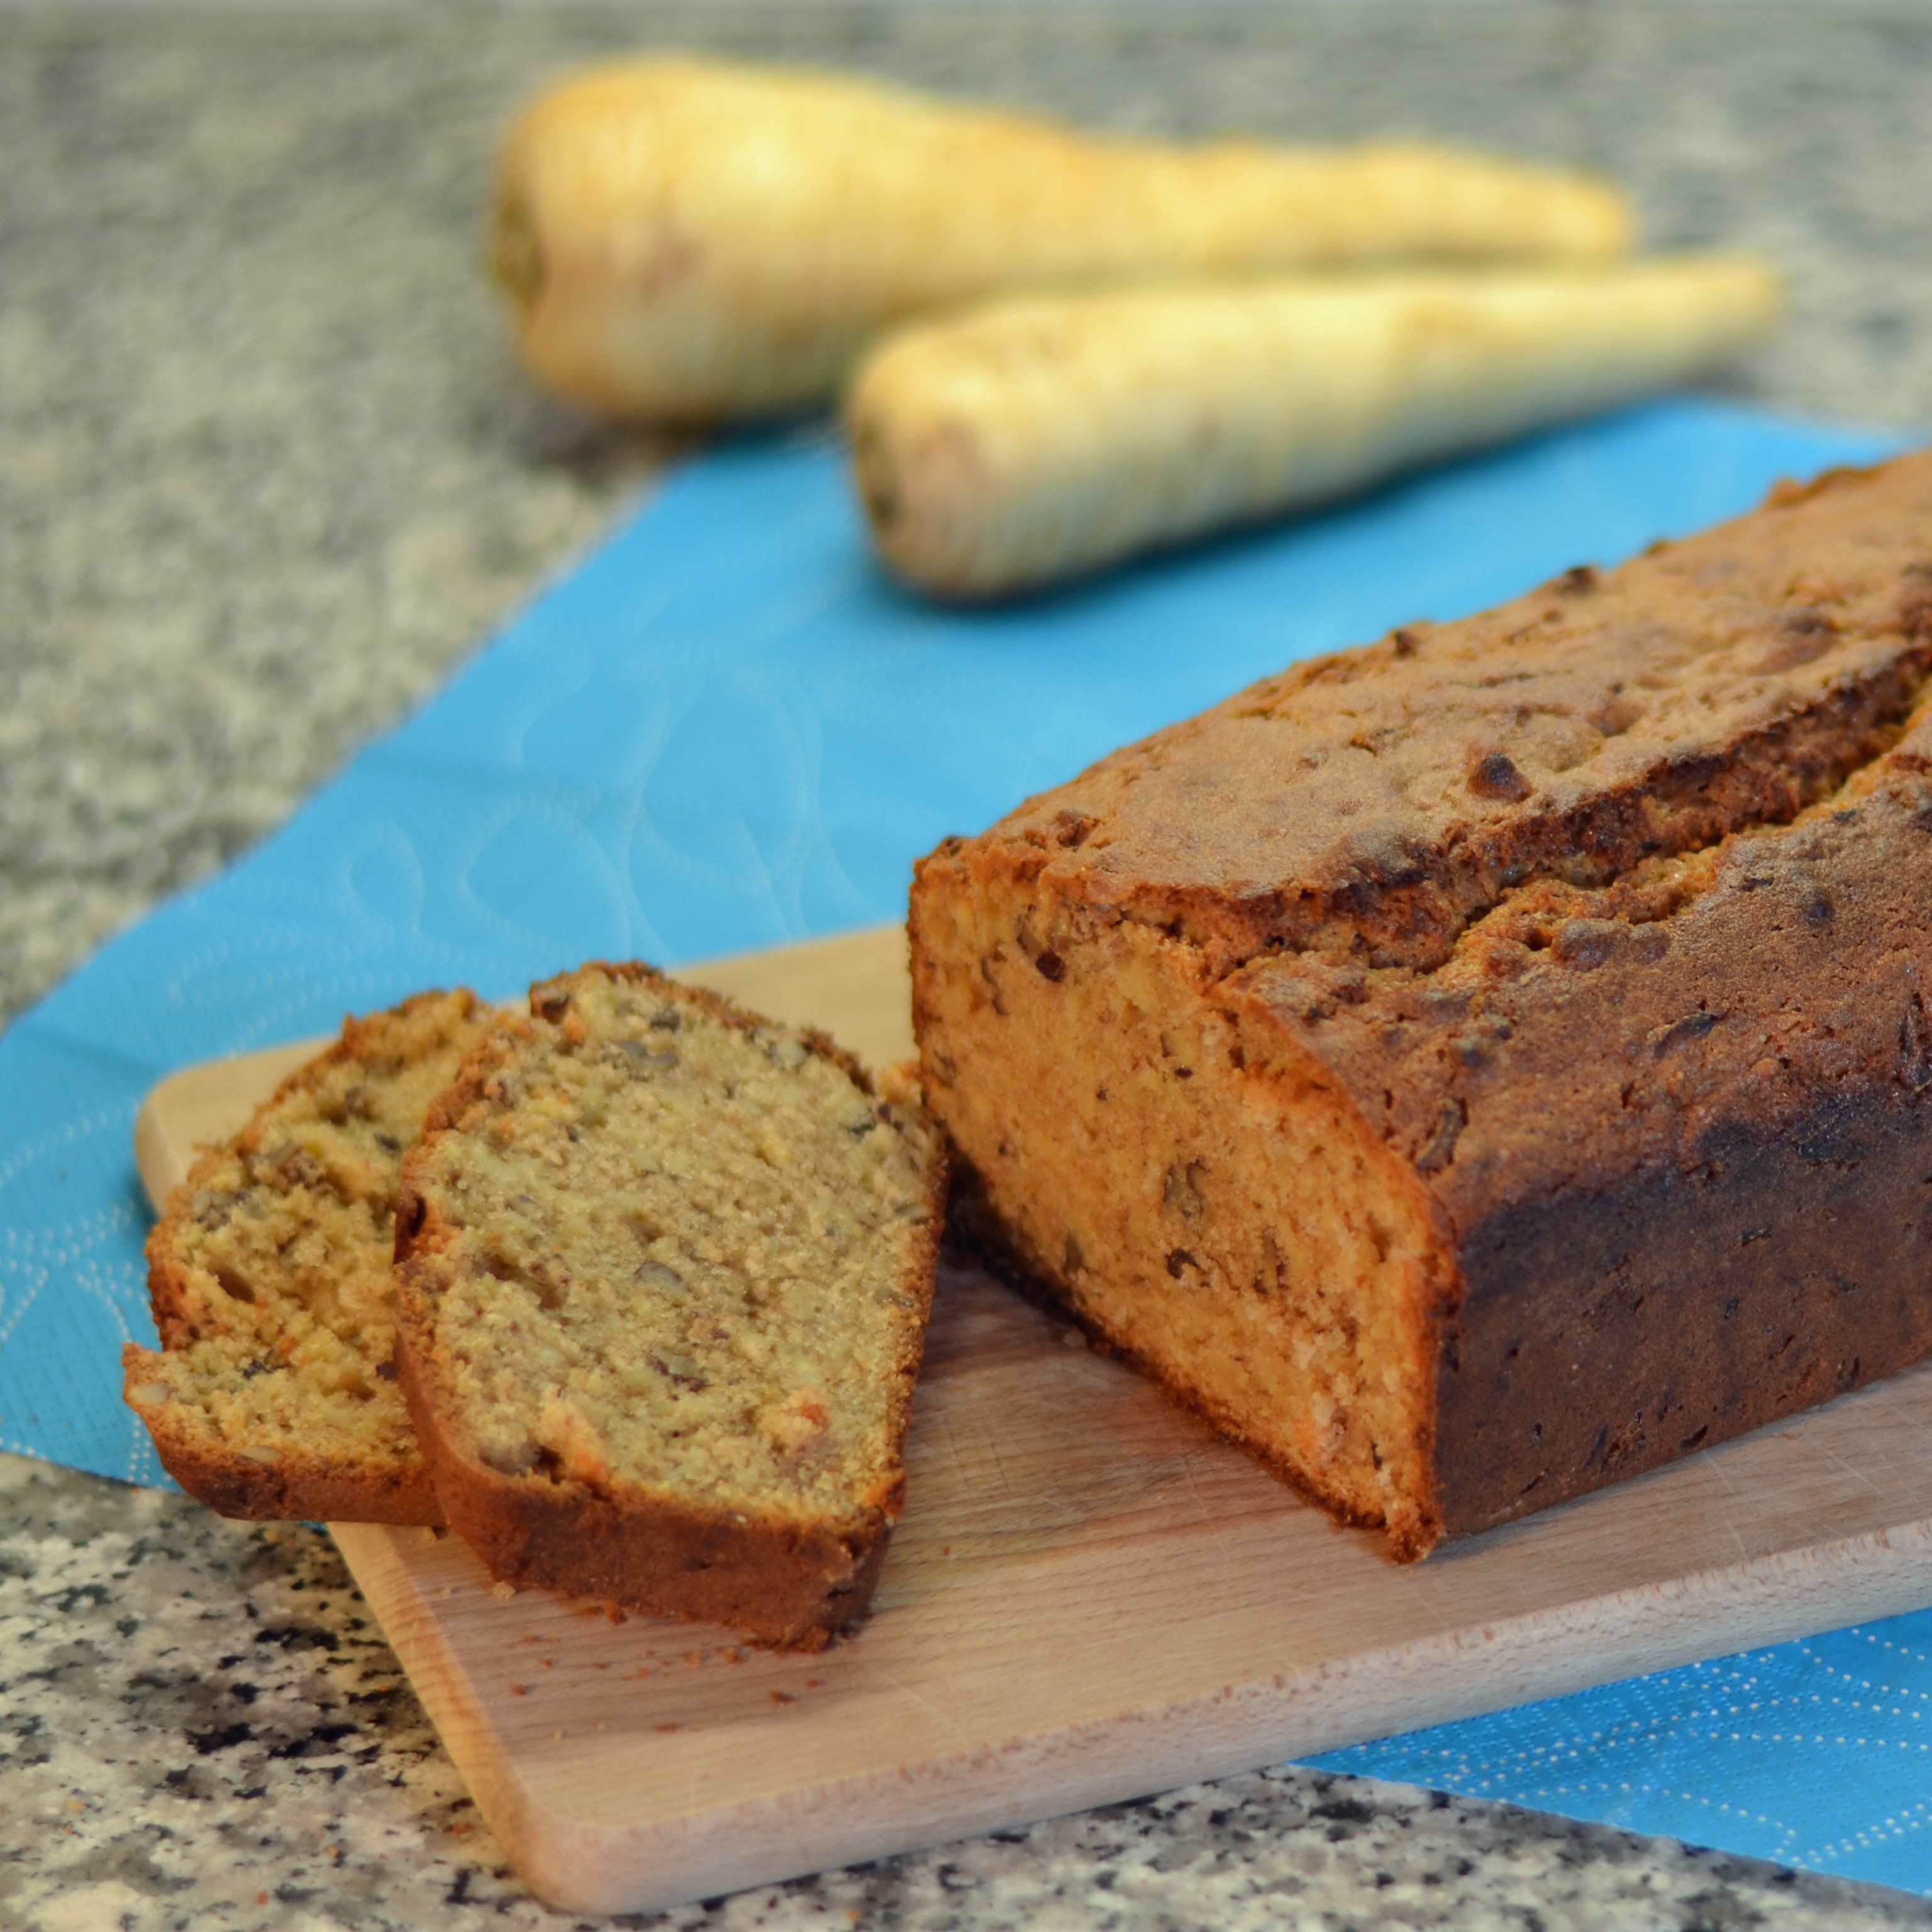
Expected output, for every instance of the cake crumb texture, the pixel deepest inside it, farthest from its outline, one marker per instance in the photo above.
(666, 1270)
(275, 1393)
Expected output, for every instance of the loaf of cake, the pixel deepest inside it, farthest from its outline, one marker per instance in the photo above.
(1474, 1068)
(663, 1274)
(274, 1393)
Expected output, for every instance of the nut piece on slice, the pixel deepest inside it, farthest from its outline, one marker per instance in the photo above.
(664, 1270)
(275, 1394)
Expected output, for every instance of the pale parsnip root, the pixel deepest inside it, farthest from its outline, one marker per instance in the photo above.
(1043, 436)
(690, 239)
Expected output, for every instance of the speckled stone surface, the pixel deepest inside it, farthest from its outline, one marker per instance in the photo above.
(203, 1729)
(267, 471)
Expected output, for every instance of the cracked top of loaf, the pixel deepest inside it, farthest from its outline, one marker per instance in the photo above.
(1624, 877)
(1371, 804)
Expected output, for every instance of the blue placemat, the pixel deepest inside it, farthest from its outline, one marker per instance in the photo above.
(724, 731)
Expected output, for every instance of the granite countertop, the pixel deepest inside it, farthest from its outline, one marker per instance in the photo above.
(267, 470)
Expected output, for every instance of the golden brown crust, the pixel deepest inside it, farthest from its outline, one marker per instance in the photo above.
(786, 1576)
(1371, 803)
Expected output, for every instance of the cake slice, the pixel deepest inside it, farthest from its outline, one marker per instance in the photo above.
(273, 1394)
(664, 1274)
(1486, 1064)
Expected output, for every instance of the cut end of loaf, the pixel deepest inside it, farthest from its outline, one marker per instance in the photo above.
(1213, 1208)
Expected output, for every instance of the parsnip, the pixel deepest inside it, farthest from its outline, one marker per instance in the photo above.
(685, 239)
(1042, 436)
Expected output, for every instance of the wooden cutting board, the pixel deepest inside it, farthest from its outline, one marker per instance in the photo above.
(1091, 1597)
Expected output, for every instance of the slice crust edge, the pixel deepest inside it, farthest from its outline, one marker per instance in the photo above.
(787, 1574)
(205, 1395)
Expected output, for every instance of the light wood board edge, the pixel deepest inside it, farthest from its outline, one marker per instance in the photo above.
(582, 1866)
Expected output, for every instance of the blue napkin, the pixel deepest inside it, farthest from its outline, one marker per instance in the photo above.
(725, 730)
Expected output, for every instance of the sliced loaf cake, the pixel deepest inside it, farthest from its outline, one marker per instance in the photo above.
(273, 1394)
(663, 1272)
